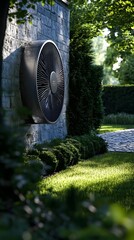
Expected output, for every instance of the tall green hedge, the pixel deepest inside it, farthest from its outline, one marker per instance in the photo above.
(85, 104)
(118, 99)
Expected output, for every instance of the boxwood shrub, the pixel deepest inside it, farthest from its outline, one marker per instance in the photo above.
(59, 154)
(50, 161)
(91, 145)
(75, 152)
(35, 166)
(64, 155)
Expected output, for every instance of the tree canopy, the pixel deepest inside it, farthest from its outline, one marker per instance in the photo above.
(126, 71)
(20, 9)
(110, 18)
(115, 16)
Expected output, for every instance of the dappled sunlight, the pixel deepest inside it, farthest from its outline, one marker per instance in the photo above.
(114, 128)
(108, 175)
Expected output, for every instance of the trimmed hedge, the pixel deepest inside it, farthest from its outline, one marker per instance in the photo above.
(119, 119)
(59, 154)
(85, 111)
(50, 161)
(91, 145)
(64, 156)
(118, 99)
(75, 152)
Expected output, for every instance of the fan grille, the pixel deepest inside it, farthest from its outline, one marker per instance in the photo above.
(50, 82)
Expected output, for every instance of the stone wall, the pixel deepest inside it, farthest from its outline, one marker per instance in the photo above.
(49, 23)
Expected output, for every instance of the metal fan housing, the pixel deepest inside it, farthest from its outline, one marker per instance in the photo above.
(42, 81)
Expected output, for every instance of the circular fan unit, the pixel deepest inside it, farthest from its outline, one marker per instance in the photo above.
(42, 81)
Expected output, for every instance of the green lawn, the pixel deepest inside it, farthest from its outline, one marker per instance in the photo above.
(110, 177)
(113, 128)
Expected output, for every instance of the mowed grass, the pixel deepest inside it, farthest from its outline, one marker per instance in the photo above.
(114, 128)
(109, 177)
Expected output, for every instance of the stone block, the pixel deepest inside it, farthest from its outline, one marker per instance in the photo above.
(6, 101)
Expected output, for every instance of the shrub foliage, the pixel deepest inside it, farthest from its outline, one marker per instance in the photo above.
(50, 161)
(25, 214)
(118, 99)
(59, 154)
(85, 104)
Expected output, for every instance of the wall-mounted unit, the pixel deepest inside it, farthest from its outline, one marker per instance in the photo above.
(42, 81)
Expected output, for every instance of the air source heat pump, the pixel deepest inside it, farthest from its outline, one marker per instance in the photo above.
(42, 81)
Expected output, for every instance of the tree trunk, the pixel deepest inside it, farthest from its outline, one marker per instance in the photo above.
(4, 6)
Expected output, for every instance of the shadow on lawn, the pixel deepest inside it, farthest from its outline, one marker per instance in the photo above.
(122, 194)
(83, 219)
(117, 188)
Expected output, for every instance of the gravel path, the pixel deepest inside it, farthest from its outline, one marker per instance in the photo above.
(120, 141)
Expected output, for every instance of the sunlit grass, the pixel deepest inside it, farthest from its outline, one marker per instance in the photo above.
(109, 176)
(114, 128)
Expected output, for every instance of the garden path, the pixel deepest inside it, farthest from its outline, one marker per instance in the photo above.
(119, 141)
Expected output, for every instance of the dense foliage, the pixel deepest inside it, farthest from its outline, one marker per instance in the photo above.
(126, 71)
(59, 154)
(115, 16)
(118, 19)
(120, 67)
(85, 106)
(26, 215)
(118, 121)
(114, 21)
(118, 99)
(22, 10)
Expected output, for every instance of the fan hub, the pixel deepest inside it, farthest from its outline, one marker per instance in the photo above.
(53, 82)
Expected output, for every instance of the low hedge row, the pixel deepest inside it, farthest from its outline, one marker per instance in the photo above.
(59, 154)
(118, 99)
